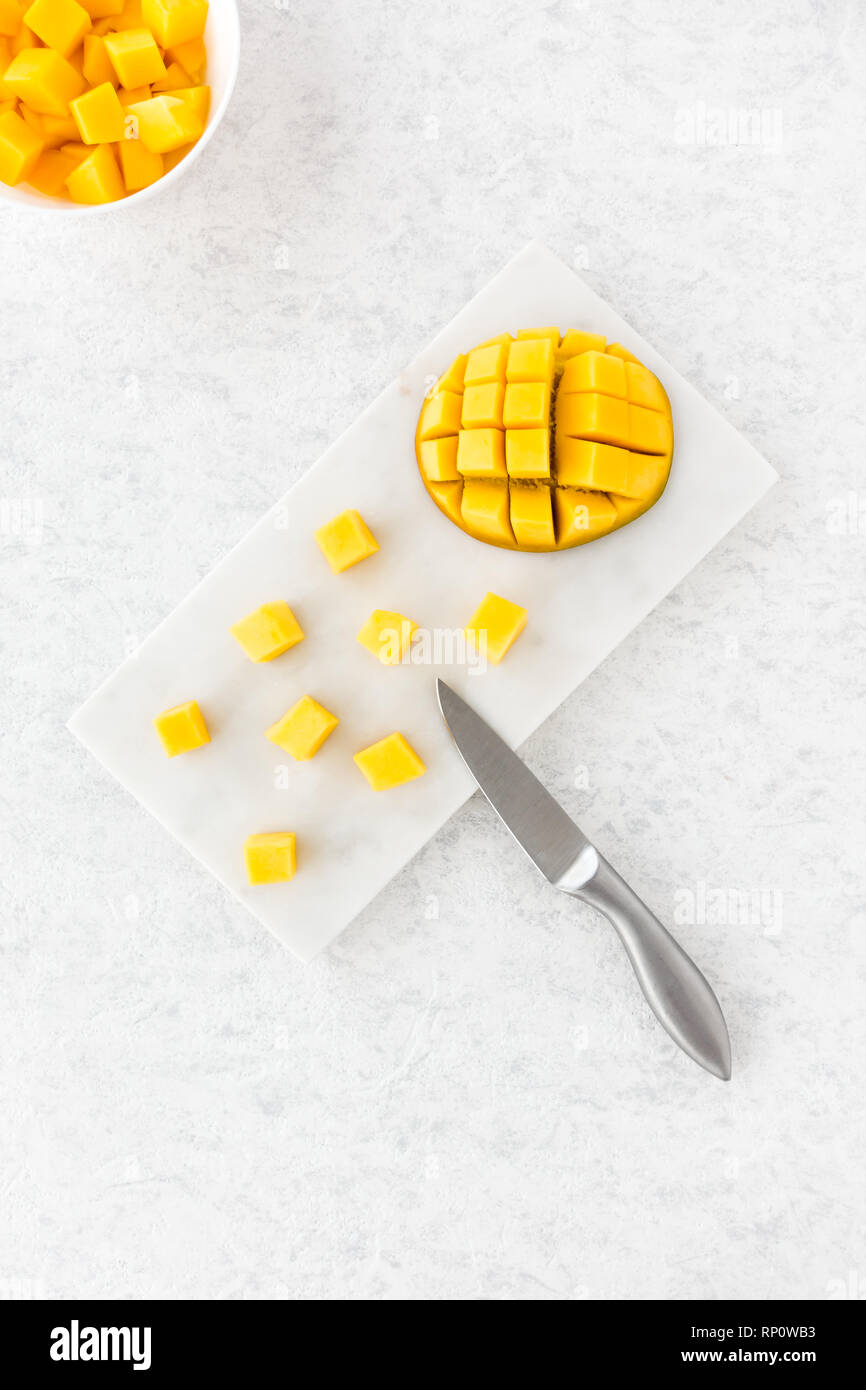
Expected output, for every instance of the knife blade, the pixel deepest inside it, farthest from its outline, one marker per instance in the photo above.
(672, 984)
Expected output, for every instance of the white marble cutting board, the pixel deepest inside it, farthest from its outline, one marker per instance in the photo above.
(581, 604)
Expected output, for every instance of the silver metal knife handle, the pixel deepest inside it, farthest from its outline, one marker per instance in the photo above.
(675, 989)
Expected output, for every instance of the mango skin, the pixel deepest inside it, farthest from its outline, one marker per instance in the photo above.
(605, 420)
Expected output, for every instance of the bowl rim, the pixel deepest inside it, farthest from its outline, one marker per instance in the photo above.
(56, 207)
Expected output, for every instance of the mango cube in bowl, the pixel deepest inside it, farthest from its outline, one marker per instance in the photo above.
(387, 635)
(181, 728)
(389, 763)
(302, 731)
(60, 24)
(97, 179)
(270, 858)
(43, 80)
(20, 148)
(268, 631)
(98, 115)
(175, 21)
(135, 57)
(344, 540)
(495, 626)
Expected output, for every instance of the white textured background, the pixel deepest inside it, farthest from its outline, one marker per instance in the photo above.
(466, 1098)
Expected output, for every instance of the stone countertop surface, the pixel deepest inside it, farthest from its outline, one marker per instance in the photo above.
(466, 1097)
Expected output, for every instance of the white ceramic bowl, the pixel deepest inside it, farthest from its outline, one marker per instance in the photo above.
(223, 43)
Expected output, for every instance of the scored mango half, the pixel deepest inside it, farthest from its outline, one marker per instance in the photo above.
(543, 441)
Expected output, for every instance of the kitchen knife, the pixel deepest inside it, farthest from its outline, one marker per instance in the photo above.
(675, 989)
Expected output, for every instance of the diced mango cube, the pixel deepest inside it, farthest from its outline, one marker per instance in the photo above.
(581, 516)
(20, 148)
(595, 371)
(482, 406)
(617, 350)
(534, 333)
(181, 728)
(97, 66)
(448, 497)
(452, 380)
(268, 631)
(11, 16)
(134, 57)
(25, 38)
(440, 415)
(77, 150)
(591, 416)
(389, 763)
(387, 635)
(139, 167)
(649, 431)
(270, 858)
(172, 158)
(344, 540)
(174, 76)
(495, 626)
(484, 511)
(574, 342)
(527, 405)
(439, 459)
(644, 387)
(130, 96)
(531, 359)
(102, 9)
(532, 518)
(627, 508)
(481, 453)
(302, 731)
(175, 21)
(97, 179)
(58, 130)
(44, 80)
(98, 115)
(486, 364)
(60, 24)
(527, 453)
(196, 98)
(6, 93)
(128, 18)
(165, 123)
(191, 56)
(51, 171)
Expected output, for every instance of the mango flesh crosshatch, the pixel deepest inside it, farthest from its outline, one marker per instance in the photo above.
(543, 441)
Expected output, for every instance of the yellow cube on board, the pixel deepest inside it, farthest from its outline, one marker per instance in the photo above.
(181, 728)
(495, 626)
(270, 858)
(302, 731)
(344, 540)
(389, 763)
(268, 631)
(387, 635)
